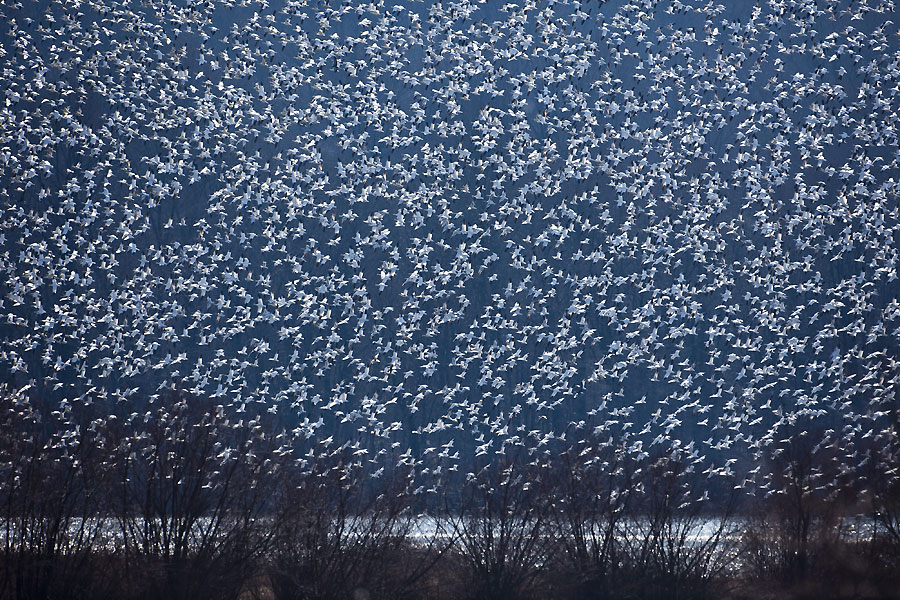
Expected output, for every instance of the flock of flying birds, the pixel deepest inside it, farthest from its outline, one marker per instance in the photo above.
(438, 232)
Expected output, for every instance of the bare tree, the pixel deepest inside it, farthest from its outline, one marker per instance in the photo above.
(502, 525)
(795, 535)
(189, 493)
(340, 533)
(675, 546)
(592, 490)
(883, 466)
(48, 504)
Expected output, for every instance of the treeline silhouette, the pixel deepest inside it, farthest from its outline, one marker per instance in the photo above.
(180, 501)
